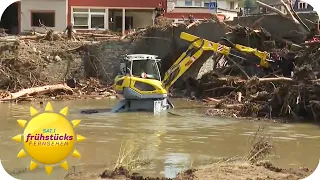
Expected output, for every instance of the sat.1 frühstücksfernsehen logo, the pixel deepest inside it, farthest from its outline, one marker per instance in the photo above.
(48, 138)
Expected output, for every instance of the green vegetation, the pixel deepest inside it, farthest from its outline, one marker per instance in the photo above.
(247, 3)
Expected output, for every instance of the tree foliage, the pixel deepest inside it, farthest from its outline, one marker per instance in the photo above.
(247, 3)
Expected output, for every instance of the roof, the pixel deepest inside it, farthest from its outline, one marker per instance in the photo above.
(179, 15)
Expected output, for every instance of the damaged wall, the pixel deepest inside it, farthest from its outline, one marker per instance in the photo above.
(166, 43)
(102, 59)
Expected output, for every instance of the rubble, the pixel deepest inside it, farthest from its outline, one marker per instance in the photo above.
(266, 94)
(240, 89)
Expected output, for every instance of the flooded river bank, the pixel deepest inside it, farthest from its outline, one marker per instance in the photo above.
(171, 142)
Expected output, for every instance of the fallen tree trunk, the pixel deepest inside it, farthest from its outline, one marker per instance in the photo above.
(132, 34)
(192, 24)
(33, 37)
(38, 90)
(95, 35)
(283, 79)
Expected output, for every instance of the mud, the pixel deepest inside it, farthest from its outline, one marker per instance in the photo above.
(122, 173)
(241, 170)
(237, 170)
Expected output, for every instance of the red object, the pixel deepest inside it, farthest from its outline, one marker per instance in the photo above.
(314, 39)
(275, 56)
(143, 75)
(195, 15)
(117, 3)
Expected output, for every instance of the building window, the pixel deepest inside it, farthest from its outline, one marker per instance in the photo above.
(197, 3)
(84, 18)
(263, 10)
(46, 18)
(188, 2)
(302, 5)
(232, 5)
(206, 3)
(97, 21)
(128, 20)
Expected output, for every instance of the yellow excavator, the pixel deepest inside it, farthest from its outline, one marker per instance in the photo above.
(140, 83)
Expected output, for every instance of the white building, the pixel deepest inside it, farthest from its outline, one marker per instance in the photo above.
(53, 13)
(200, 8)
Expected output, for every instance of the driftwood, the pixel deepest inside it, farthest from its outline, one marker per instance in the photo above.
(133, 33)
(192, 24)
(253, 25)
(8, 40)
(106, 38)
(211, 100)
(38, 90)
(221, 23)
(94, 34)
(276, 79)
(238, 66)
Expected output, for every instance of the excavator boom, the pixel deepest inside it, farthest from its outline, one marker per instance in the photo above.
(196, 49)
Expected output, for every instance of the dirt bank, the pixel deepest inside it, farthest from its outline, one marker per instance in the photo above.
(224, 171)
(244, 171)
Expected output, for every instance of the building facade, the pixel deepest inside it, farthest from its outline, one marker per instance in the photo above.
(52, 13)
(24, 15)
(298, 6)
(177, 9)
(301, 6)
(112, 14)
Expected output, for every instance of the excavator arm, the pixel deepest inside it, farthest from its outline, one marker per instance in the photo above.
(182, 64)
(195, 50)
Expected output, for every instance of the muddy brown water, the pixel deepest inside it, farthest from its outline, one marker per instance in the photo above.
(172, 142)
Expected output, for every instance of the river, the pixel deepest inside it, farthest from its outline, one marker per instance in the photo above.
(172, 142)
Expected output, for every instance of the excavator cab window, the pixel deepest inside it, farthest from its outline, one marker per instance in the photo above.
(125, 67)
(149, 67)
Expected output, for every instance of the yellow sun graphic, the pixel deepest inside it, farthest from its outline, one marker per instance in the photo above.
(48, 138)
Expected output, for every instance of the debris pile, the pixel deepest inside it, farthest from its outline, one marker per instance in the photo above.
(257, 92)
(39, 64)
(24, 63)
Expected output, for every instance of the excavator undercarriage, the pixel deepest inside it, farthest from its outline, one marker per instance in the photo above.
(140, 83)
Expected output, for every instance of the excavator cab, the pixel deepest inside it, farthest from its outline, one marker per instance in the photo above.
(139, 81)
(141, 65)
